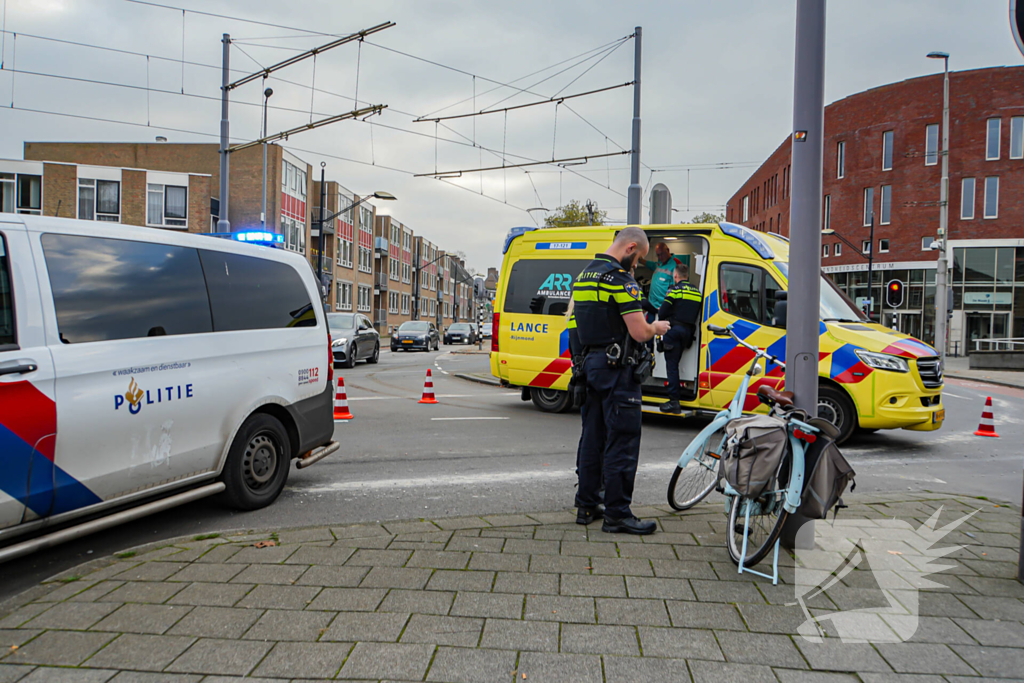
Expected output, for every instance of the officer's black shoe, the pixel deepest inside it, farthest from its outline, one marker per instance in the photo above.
(628, 525)
(588, 515)
(671, 407)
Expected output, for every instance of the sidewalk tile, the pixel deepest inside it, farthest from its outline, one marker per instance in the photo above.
(333, 576)
(760, 648)
(593, 586)
(526, 582)
(586, 549)
(272, 555)
(1005, 609)
(212, 656)
(459, 665)
(632, 611)
(913, 678)
(680, 643)
(15, 638)
(395, 577)
(438, 559)
(508, 634)
(698, 615)
(835, 655)
(574, 535)
(456, 631)
(72, 615)
(620, 566)
(418, 602)
(359, 531)
(784, 619)
(95, 592)
(648, 551)
(348, 599)
(509, 520)
(683, 569)
(289, 625)
(280, 597)
(142, 618)
(9, 673)
(584, 639)
(308, 535)
(213, 594)
(396, 528)
(499, 562)
(365, 626)
(469, 604)
(151, 571)
(727, 591)
(930, 629)
(564, 564)
(387, 661)
(216, 622)
(452, 523)
(554, 517)
(475, 544)
(717, 672)
(560, 608)
(143, 591)
(208, 573)
(669, 538)
(379, 558)
(303, 660)
(60, 648)
(70, 590)
(320, 556)
(993, 633)
(68, 676)
(367, 543)
(648, 670)
(23, 614)
(140, 652)
(516, 532)
(543, 667)
(671, 589)
(1000, 662)
(270, 573)
(220, 553)
(1010, 588)
(458, 580)
(803, 676)
(522, 546)
(426, 538)
(923, 658)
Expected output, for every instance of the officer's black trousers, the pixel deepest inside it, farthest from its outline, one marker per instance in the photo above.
(676, 341)
(611, 436)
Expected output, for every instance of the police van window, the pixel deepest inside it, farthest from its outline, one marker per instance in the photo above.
(7, 338)
(740, 291)
(541, 286)
(250, 293)
(105, 289)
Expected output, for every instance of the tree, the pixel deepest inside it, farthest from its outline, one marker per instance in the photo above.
(706, 217)
(574, 213)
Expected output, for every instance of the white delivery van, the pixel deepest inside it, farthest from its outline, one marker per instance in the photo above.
(142, 367)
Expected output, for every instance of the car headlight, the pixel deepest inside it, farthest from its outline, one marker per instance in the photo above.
(882, 361)
(339, 341)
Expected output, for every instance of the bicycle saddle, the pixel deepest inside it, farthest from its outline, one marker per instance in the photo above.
(783, 398)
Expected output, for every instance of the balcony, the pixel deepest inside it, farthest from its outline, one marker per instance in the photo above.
(380, 281)
(380, 319)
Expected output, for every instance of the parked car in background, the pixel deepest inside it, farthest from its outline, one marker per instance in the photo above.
(353, 338)
(460, 333)
(416, 334)
(485, 330)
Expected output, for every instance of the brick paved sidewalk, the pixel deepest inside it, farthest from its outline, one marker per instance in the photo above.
(531, 598)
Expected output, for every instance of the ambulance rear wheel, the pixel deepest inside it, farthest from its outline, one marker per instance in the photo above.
(836, 407)
(257, 464)
(551, 400)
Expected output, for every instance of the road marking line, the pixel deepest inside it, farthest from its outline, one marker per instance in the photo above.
(950, 393)
(436, 419)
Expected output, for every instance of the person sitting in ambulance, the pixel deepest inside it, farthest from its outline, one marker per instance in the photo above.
(681, 308)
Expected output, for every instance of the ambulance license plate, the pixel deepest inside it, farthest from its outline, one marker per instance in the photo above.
(938, 416)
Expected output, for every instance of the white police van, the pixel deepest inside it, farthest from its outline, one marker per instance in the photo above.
(142, 368)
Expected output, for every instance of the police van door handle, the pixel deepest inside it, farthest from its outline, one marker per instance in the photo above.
(20, 369)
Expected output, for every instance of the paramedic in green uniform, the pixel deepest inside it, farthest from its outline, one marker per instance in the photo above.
(662, 277)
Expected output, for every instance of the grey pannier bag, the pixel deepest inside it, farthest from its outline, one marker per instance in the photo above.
(826, 476)
(754, 449)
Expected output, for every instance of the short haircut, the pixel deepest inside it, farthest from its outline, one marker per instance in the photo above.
(683, 270)
(632, 234)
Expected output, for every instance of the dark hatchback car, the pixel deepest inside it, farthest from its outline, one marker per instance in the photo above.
(353, 338)
(460, 333)
(416, 334)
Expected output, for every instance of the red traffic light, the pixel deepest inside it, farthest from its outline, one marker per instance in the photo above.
(894, 293)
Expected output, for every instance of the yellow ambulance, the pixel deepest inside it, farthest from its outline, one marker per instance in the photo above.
(871, 377)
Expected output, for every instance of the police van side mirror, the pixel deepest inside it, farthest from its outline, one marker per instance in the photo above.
(781, 304)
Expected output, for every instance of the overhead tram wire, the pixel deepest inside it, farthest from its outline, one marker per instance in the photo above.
(149, 3)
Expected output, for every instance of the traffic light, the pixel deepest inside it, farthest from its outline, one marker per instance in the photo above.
(894, 293)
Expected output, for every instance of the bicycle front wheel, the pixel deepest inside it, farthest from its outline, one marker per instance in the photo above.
(691, 484)
(767, 516)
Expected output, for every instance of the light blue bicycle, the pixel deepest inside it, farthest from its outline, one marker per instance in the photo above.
(754, 523)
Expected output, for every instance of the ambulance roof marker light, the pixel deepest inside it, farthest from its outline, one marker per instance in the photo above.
(751, 238)
(514, 233)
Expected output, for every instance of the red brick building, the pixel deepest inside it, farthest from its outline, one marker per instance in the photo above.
(882, 159)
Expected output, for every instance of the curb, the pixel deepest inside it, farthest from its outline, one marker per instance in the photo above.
(478, 379)
(996, 382)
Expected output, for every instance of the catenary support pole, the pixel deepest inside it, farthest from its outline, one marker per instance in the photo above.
(805, 227)
(322, 239)
(871, 265)
(940, 267)
(223, 224)
(634, 196)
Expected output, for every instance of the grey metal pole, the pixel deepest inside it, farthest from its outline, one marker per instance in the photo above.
(322, 238)
(940, 267)
(223, 224)
(805, 226)
(267, 92)
(871, 263)
(634, 196)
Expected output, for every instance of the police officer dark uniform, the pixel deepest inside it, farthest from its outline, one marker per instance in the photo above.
(611, 329)
(682, 309)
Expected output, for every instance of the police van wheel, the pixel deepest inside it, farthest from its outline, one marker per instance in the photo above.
(258, 462)
(551, 400)
(836, 407)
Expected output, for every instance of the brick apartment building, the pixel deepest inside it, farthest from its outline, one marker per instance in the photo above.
(393, 293)
(882, 160)
(348, 249)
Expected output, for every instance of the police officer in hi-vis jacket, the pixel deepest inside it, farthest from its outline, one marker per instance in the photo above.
(682, 309)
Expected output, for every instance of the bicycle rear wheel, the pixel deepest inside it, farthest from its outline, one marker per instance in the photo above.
(691, 484)
(767, 515)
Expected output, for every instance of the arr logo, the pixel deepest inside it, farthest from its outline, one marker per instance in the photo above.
(558, 281)
(135, 395)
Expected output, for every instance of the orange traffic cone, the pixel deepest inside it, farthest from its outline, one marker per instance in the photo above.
(428, 389)
(986, 427)
(341, 411)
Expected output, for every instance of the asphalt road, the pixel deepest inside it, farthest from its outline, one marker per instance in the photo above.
(483, 450)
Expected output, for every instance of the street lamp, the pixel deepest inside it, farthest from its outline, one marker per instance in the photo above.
(263, 215)
(940, 269)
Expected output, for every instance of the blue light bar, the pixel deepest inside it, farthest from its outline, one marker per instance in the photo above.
(258, 236)
(751, 238)
(514, 233)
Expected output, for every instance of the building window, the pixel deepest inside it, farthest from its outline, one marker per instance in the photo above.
(405, 304)
(365, 298)
(865, 247)
(992, 197)
(824, 251)
(167, 206)
(345, 253)
(99, 200)
(393, 269)
(406, 273)
(869, 205)
(926, 243)
(837, 249)
(967, 199)
(886, 208)
(392, 302)
(1017, 137)
(343, 300)
(826, 221)
(21, 193)
(365, 260)
(746, 208)
(883, 246)
(931, 144)
(841, 160)
(887, 150)
(294, 235)
(992, 139)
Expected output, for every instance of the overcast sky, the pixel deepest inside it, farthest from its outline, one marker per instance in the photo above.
(717, 87)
